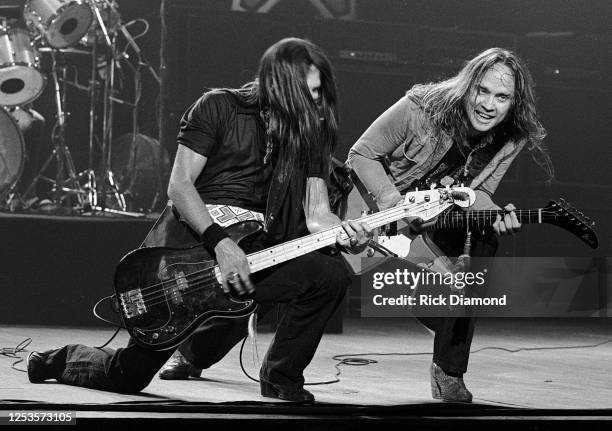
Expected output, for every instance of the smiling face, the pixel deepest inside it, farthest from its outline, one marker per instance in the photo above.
(489, 101)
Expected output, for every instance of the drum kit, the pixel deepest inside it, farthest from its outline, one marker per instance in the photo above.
(60, 28)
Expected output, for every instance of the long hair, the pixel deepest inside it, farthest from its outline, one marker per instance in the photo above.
(444, 102)
(300, 130)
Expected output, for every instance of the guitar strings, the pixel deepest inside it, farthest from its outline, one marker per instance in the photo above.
(203, 281)
(258, 257)
(484, 215)
(198, 282)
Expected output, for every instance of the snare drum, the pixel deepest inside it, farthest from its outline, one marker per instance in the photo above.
(20, 80)
(11, 152)
(62, 22)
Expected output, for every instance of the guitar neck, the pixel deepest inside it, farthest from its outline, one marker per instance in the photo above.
(306, 244)
(483, 218)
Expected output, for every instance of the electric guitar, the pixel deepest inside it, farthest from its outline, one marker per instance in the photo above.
(164, 294)
(422, 250)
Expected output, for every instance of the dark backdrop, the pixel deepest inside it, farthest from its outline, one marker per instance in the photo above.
(397, 43)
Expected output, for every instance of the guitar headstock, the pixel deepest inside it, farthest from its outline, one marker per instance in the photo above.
(461, 196)
(427, 204)
(565, 216)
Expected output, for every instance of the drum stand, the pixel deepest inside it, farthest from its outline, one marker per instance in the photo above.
(106, 184)
(66, 181)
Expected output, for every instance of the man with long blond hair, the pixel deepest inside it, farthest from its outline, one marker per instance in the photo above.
(464, 130)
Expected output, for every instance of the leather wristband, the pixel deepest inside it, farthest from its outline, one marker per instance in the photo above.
(211, 237)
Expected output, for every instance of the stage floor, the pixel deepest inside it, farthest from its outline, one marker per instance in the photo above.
(564, 365)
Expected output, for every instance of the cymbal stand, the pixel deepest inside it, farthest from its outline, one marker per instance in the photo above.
(90, 175)
(107, 178)
(66, 181)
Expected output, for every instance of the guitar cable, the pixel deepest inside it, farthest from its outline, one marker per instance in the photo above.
(115, 307)
(357, 359)
(13, 352)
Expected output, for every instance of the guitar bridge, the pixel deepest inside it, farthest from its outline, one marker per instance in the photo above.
(132, 303)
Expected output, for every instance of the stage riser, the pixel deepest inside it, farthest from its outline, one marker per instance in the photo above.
(54, 269)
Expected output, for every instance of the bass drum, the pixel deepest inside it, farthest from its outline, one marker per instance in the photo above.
(138, 169)
(11, 153)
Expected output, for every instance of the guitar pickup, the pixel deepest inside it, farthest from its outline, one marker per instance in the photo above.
(132, 303)
(174, 291)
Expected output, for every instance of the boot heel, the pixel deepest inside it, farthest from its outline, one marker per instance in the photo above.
(295, 394)
(435, 390)
(268, 390)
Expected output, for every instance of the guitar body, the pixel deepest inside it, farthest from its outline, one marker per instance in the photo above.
(423, 251)
(165, 294)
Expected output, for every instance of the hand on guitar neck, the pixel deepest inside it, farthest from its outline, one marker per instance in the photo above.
(509, 224)
(504, 224)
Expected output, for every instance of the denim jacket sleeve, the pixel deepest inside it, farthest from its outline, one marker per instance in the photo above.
(489, 178)
(384, 136)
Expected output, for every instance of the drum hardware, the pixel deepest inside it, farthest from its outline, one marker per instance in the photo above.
(66, 182)
(104, 184)
(24, 116)
(56, 27)
(160, 162)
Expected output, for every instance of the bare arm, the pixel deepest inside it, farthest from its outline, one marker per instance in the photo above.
(319, 217)
(181, 190)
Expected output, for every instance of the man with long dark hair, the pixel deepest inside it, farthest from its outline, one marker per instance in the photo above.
(467, 129)
(260, 152)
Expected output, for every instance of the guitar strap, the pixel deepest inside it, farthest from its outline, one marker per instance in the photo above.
(365, 194)
(369, 199)
(170, 229)
(226, 215)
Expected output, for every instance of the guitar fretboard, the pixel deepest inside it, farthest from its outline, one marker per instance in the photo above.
(298, 247)
(482, 218)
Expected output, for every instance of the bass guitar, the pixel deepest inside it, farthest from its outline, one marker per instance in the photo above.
(164, 294)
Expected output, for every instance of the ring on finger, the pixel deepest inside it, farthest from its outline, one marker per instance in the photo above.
(232, 277)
